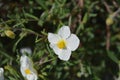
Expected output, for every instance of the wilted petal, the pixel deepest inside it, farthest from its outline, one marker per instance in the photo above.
(53, 38)
(65, 55)
(64, 32)
(73, 42)
(26, 50)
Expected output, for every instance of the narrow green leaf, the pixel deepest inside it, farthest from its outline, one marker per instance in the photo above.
(112, 56)
(31, 16)
(81, 26)
(22, 35)
(85, 18)
(42, 4)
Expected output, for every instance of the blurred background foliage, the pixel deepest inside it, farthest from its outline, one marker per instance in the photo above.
(25, 23)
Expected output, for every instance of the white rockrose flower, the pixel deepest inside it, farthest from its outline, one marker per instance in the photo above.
(27, 68)
(63, 43)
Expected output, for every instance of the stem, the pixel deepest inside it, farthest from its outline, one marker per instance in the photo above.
(47, 61)
(116, 12)
(108, 37)
(32, 32)
(107, 6)
(81, 3)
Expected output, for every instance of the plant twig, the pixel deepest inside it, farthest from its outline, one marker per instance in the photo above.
(116, 13)
(81, 3)
(108, 30)
(107, 7)
(108, 37)
(115, 3)
(41, 62)
(107, 27)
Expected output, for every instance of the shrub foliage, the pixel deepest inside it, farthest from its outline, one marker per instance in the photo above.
(26, 23)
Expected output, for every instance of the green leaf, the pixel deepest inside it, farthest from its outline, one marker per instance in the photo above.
(112, 56)
(40, 22)
(42, 4)
(12, 71)
(31, 16)
(81, 27)
(22, 35)
(85, 18)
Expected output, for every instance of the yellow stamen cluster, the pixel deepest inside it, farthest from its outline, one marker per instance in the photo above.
(27, 71)
(61, 44)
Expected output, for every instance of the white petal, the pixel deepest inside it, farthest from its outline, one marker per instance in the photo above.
(32, 76)
(64, 32)
(24, 60)
(22, 69)
(65, 55)
(55, 49)
(73, 42)
(33, 70)
(1, 74)
(1, 70)
(53, 38)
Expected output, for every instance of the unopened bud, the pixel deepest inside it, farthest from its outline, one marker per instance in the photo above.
(109, 21)
(9, 34)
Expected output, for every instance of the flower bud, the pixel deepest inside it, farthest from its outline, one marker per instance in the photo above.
(109, 21)
(9, 34)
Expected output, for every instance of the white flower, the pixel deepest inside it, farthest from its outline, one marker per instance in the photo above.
(27, 69)
(26, 50)
(63, 43)
(1, 74)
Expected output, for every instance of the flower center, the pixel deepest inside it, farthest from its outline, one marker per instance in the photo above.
(61, 44)
(27, 71)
